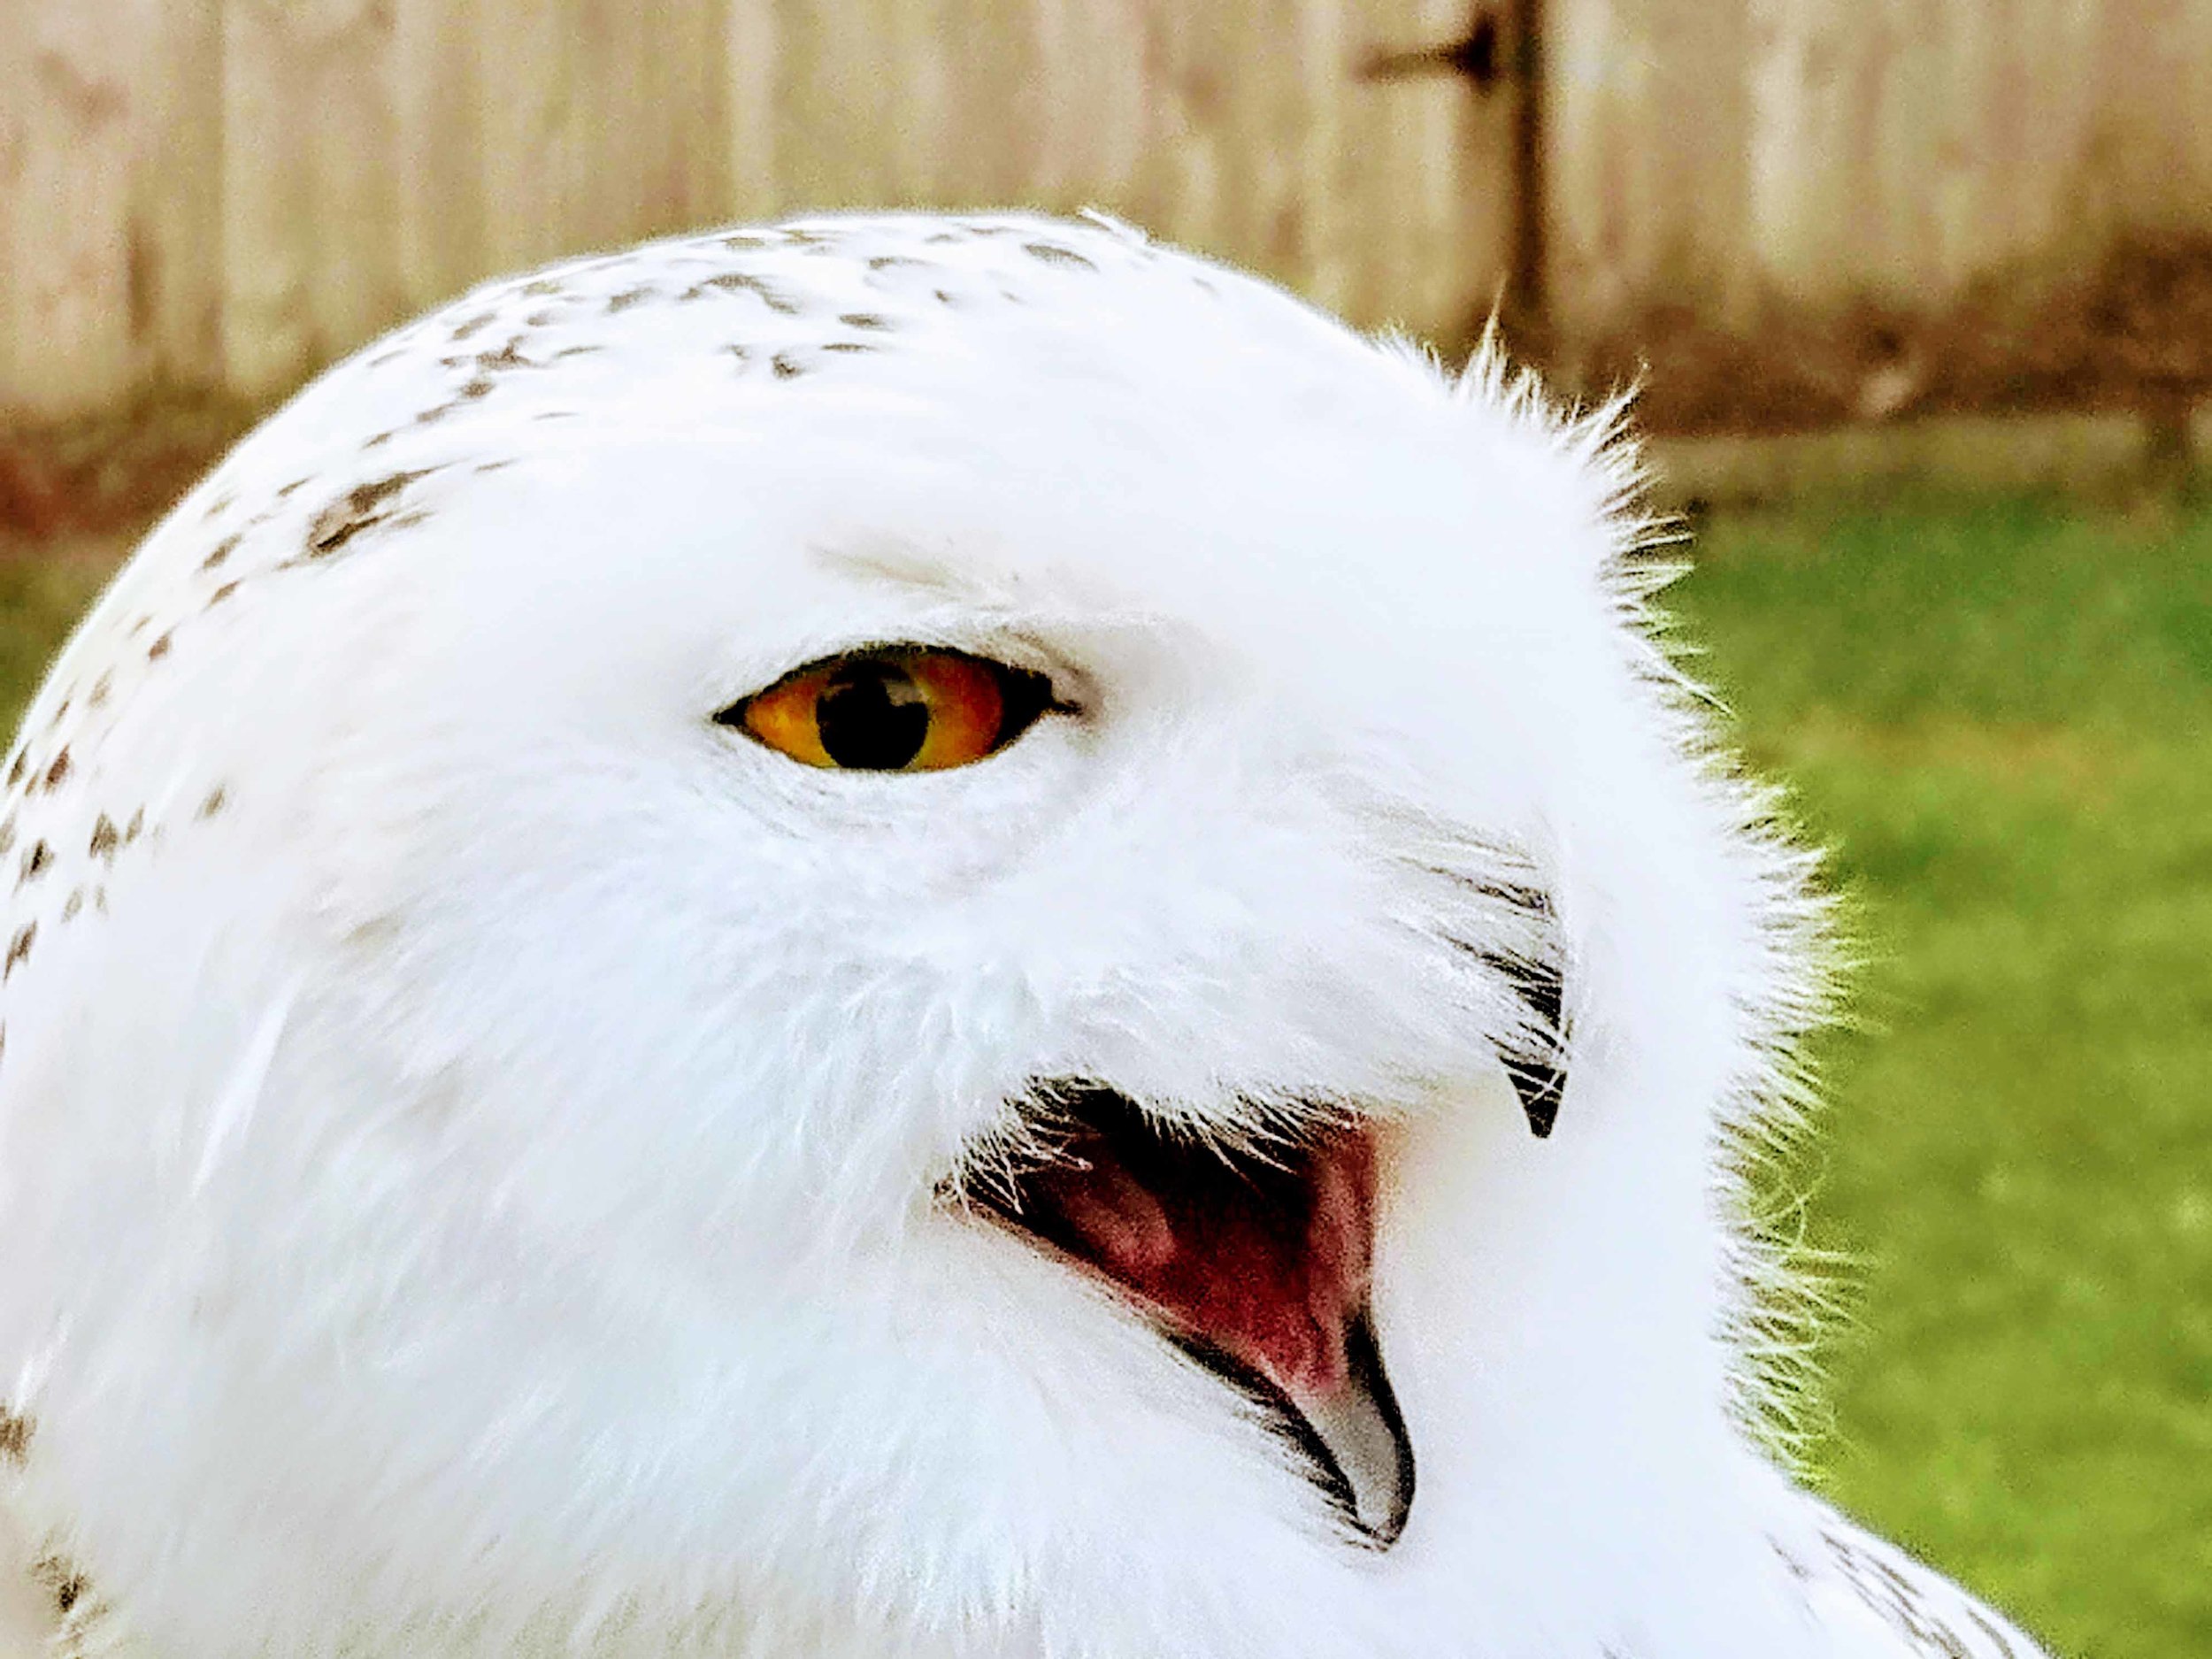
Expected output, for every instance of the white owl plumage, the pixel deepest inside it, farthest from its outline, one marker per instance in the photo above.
(498, 1160)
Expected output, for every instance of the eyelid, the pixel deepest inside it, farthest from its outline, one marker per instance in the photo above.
(1007, 650)
(1022, 660)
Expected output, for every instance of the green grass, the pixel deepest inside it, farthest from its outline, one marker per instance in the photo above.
(42, 596)
(1999, 717)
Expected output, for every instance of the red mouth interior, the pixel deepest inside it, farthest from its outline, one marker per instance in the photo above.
(1265, 1259)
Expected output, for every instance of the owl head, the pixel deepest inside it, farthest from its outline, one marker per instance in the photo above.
(890, 936)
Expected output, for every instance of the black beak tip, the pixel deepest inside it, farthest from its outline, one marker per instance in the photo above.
(1539, 1088)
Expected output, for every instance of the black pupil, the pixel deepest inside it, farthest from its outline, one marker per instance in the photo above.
(873, 718)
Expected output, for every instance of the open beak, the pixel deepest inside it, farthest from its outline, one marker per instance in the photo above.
(1254, 1265)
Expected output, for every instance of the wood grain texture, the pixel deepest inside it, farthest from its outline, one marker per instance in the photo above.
(222, 194)
(1732, 154)
(70, 307)
(229, 193)
(311, 188)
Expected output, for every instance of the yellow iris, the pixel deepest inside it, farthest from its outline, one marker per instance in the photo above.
(895, 710)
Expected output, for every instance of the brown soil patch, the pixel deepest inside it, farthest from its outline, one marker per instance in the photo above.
(2135, 334)
(115, 472)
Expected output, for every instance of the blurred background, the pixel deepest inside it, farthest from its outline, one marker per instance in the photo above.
(1919, 295)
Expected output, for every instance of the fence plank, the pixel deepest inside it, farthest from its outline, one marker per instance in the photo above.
(177, 188)
(312, 246)
(833, 137)
(1649, 153)
(440, 56)
(522, 119)
(1090, 102)
(751, 68)
(68, 303)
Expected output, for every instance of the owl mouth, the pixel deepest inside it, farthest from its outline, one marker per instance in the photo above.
(1254, 1263)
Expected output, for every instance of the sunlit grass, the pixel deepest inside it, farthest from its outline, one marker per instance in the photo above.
(1999, 716)
(43, 592)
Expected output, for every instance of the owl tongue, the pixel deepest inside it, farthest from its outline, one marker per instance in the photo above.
(1266, 1262)
(1256, 1266)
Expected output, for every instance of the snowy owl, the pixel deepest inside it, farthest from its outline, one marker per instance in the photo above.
(903, 938)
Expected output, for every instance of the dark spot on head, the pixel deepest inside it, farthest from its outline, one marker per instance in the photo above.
(15, 768)
(787, 366)
(476, 324)
(61, 712)
(99, 695)
(540, 319)
(544, 287)
(294, 486)
(60, 1581)
(1205, 284)
(480, 387)
(943, 298)
(35, 861)
(746, 282)
(221, 594)
(892, 261)
(849, 346)
(628, 297)
(494, 466)
(220, 505)
(7, 832)
(15, 1435)
(377, 441)
(739, 352)
(221, 551)
(131, 829)
(357, 510)
(862, 320)
(435, 413)
(217, 799)
(1052, 253)
(105, 839)
(137, 627)
(746, 242)
(73, 905)
(59, 769)
(506, 358)
(159, 649)
(577, 351)
(555, 414)
(19, 948)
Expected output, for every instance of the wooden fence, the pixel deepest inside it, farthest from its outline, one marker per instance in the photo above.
(221, 194)
(1816, 150)
(224, 193)
(1864, 203)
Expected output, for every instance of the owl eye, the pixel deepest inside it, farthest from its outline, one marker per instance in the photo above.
(893, 709)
